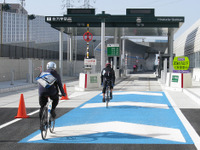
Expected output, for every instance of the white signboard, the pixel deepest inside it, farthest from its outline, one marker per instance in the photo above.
(90, 62)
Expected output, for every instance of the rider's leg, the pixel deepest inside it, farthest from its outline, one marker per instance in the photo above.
(55, 99)
(111, 89)
(42, 101)
(104, 91)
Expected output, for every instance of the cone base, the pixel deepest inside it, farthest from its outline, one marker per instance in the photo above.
(64, 98)
(21, 116)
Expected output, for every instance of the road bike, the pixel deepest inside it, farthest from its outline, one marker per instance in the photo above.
(47, 121)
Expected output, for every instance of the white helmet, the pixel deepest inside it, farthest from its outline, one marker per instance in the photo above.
(51, 65)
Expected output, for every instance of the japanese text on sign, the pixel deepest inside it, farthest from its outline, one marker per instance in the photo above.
(181, 63)
(113, 50)
(89, 61)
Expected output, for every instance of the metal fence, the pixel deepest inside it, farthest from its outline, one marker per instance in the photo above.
(16, 52)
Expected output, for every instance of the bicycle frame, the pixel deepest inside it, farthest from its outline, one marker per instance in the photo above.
(49, 106)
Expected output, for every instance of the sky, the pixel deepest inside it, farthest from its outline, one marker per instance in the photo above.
(183, 8)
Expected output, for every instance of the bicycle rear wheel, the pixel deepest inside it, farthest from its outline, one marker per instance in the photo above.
(43, 123)
(51, 124)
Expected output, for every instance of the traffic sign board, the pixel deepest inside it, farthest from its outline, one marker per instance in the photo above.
(113, 50)
(87, 36)
(90, 62)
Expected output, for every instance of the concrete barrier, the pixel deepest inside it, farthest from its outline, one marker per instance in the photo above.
(181, 80)
(88, 82)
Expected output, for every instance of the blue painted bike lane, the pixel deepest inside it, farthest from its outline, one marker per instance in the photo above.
(132, 118)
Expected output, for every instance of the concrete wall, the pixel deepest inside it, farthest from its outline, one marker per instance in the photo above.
(20, 68)
(196, 74)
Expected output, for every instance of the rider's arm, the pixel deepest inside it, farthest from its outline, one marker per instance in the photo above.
(113, 76)
(102, 76)
(59, 83)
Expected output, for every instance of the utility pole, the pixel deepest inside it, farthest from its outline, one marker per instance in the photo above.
(87, 4)
(67, 4)
(22, 6)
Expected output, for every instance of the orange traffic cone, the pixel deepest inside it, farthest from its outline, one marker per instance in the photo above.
(65, 90)
(22, 109)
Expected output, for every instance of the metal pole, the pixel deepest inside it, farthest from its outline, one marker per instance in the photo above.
(70, 48)
(123, 55)
(115, 42)
(1, 29)
(102, 44)
(170, 48)
(61, 52)
(27, 46)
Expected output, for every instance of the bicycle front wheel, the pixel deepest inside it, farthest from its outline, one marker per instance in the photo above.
(51, 124)
(43, 123)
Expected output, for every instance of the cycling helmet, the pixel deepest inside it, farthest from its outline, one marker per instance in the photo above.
(51, 65)
(108, 65)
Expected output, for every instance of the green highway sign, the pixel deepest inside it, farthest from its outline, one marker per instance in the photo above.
(113, 50)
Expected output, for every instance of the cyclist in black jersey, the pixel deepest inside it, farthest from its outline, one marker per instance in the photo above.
(107, 74)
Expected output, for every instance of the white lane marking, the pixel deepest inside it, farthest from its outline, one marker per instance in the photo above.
(9, 123)
(18, 119)
(75, 94)
(36, 111)
(157, 132)
(137, 93)
(195, 137)
(139, 104)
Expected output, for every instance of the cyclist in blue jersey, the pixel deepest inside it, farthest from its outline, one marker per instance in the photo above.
(52, 91)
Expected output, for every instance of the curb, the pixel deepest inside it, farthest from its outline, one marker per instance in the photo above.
(21, 87)
(192, 95)
(15, 88)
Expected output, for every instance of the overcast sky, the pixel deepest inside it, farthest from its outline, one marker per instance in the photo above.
(186, 8)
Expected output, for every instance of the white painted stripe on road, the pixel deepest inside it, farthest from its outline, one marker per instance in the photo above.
(138, 93)
(157, 132)
(36, 111)
(138, 104)
(75, 94)
(9, 123)
(195, 137)
(17, 119)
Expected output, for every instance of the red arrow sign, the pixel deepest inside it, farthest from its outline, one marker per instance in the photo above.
(87, 36)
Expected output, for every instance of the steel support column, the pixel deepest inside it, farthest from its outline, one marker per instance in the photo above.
(170, 48)
(61, 52)
(102, 44)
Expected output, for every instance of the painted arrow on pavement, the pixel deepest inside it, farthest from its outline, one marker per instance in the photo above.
(157, 132)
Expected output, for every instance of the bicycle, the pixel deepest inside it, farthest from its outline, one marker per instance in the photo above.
(107, 95)
(47, 121)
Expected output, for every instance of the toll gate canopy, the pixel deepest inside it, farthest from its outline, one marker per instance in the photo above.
(136, 22)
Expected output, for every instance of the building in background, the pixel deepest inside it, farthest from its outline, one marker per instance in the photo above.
(188, 44)
(18, 30)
